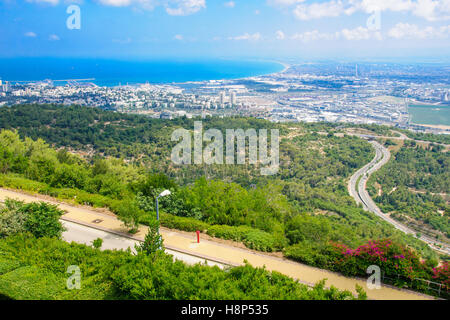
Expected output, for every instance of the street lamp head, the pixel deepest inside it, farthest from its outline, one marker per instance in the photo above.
(164, 193)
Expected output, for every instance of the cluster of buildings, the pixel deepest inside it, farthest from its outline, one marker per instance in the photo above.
(4, 88)
(332, 93)
(428, 94)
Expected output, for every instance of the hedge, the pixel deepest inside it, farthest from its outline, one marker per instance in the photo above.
(30, 282)
(252, 238)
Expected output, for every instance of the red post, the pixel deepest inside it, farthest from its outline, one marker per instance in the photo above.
(198, 236)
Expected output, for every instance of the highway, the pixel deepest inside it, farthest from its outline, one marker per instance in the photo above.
(357, 189)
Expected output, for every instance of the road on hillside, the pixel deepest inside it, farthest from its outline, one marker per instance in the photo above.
(357, 189)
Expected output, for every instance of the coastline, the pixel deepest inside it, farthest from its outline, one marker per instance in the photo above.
(285, 65)
(433, 126)
(114, 73)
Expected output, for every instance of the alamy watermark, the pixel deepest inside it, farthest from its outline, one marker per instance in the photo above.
(74, 19)
(235, 144)
(374, 280)
(373, 23)
(74, 281)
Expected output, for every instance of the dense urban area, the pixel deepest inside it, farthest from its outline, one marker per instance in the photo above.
(330, 92)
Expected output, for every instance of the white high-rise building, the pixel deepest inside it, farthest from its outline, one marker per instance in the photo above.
(5, 86)
(233, 98)
(222, 98)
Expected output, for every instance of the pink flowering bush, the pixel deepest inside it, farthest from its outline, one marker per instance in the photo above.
(392, 258)
(441, 274)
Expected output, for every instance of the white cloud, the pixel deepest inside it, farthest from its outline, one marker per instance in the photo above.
(52, 2)
(280, 35)
(283, 3)
(412, 31)
(30, 34)
(184, 7)
(432, 10)
(53, 37)
(319, 10)
(173, 7)
(230, 4)
(116, 3)
(312, 36)
(359, 33)
(356, 34)
(178, 37)
(247, 36)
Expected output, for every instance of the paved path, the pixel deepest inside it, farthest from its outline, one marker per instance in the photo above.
(85, 235)
(359, 192)
(219, 253)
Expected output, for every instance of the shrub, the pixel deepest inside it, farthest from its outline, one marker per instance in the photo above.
(97, 243)
(122, 275)
(12, 220)
(441, 274)
(252, 238)
(228, 232)
(182, 223)
(43, 219)
(30, 282)
(8, 263)
(312, 253)
(260, 240)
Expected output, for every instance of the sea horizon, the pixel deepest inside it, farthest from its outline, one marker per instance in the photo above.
(112, 72)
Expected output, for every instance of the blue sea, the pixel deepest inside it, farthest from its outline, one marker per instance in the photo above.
(115, 72)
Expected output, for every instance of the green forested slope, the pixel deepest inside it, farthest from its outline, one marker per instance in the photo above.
(301, 211)
(414, 185)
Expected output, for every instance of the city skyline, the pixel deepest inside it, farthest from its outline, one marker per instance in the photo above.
(278, 29)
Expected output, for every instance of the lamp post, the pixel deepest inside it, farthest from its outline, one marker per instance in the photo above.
(162, 194)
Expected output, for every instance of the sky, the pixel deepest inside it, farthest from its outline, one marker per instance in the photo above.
(268, 29)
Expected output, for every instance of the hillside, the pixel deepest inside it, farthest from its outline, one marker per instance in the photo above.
(122, 162)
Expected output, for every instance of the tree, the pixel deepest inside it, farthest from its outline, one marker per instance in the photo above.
(129, 213)
(97, 243)
(153, 241)
(43, 219)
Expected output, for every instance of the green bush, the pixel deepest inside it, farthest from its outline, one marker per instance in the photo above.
(182, 223)
(30, 283)
(8, 263)
(41, 219)
(15, 181)
(320, 255)
(260, 240)
(229, 232)
(122, 275)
